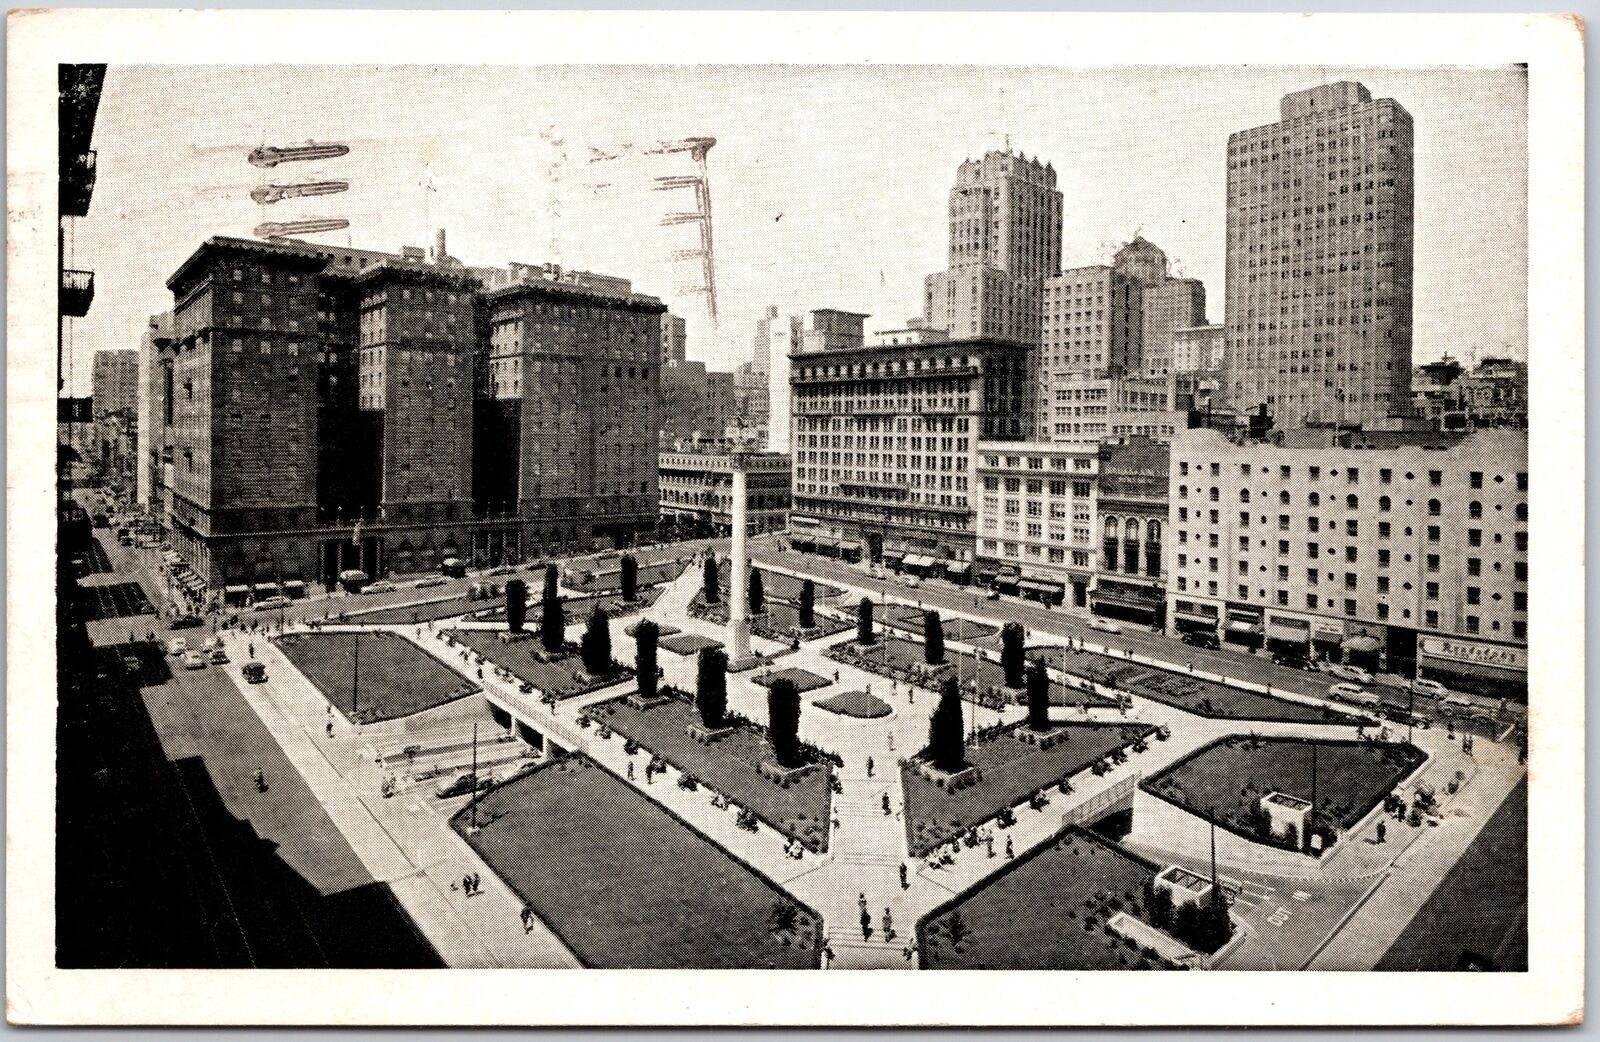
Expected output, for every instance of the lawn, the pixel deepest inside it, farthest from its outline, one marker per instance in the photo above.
(396, 679)
(415, 613)
(1012, 771)
(576, 608)
(1479, 913)
(1225, 781)
(895, 656)
(627, 885)
(688, 643)
(1203, 697)
(803, 679)
(563, 678)
(954, 628)
(778, 586)
(857, 704)
(1044, 911)
(729, 766)
(779, 621)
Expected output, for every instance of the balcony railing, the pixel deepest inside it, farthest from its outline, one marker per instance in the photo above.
(78, 174)
(77, 292)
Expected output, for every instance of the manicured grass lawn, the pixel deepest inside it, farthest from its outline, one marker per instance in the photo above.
(611, 579)
(1224, 781)
(803, 680)
(688, 644)
(1012, 771)
(563, 678)
(954, 628)
(1481, 907)
(577, 608)
(625, 884)
(1043, 912)
(406, 615)
(858, 704)
(1204, 697)
(903, 654)
(775, 585)
(779, 620)
(114, 601)
(397, 678)
(730, 766)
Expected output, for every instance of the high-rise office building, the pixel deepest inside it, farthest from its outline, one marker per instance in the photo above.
(116, 381)
(1005, 238)
(674, 338)
(1319, 259)
(1090, 328)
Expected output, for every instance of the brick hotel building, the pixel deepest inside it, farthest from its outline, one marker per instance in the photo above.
(320, 409)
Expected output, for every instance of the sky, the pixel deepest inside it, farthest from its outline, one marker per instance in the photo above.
(829, 184)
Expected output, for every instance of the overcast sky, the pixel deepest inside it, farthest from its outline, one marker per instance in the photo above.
(829, 184)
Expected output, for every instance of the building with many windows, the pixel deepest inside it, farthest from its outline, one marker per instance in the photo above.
(696, 404)
(883, 437)
(1091, 407)
(1005, 238)
(697, 490)
(1400, 550)
(1130, 572)
(1091, 329)
(1036, 509)
(319, 409)
(1319, 215)
(116, 381)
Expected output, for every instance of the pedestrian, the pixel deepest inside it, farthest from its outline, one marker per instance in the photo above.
(861, 903)
(630, 770)
(330, 728)
(1383, 832)
(466, 885)
(866, 924)
(527, 918)
(252, 648)
(988, 842)
(904, 880)
(1009, 853)
(869, 767)
(477, 884)
(886, 803)
(891, 741)
(888, 926)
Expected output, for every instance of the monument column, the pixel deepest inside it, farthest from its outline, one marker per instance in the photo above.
(739, 580)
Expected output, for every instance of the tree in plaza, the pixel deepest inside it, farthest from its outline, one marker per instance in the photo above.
(645, 635)
(864, 634)
(1011, 654)
(553, 622)
(1038, 697)
(783, 722)
(808, 604)
(932, 637)
(516, 605)
(711, 687)
(709, 587)
(946, 730)
(630, 578)
(596, 646)
(758, 593)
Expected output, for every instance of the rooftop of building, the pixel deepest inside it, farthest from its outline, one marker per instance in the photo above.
(1312, 438)
(934, 347)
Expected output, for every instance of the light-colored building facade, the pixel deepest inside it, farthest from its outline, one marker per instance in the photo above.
(1164, 309)
(1130, 571)
(1036, 518)
(1319, 259)
(1095, 407)
(674, 339)
(1091, 327)
(916, 332)
(883, 441)
(697, 490)
(1199, 349)
(155, 336)
(1398, 549)
(116, 381)
(1005, 238)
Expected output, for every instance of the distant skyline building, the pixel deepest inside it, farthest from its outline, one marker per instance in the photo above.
(1319, 259)
(1005, 239)
(1090, 328)
(156, 335)
(674, 339)
(116, 381)
(1165, 308)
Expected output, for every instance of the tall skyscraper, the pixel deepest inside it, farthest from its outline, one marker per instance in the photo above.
(1005, 239)
(674, 339)
(1166, 304)
(1319, 259)
(1090, 328)
(116, 381)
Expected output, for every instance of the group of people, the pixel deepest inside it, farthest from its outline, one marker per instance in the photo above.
(866, 921)
(793, 848)
(469, 884)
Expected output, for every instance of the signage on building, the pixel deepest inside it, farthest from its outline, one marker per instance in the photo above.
(1497, 655)
(1327, 631)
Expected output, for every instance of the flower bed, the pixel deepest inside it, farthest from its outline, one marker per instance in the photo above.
(982, 679)
(780, 621)
(1224, 781)
(1194, 695)
(1010, 771)
(803, 680)
(689, 644)
(730, 766)
(856, 704)
(558, 676)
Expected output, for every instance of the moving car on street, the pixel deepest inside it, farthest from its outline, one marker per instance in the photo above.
(431, 580)
(194, 660)
(461, 784)
(1103, 625)
(1354, 674)
(187, 622)
(271, 603)
(177, 646)
(379, 587)
(1208, 641)
(254, 673)
(219, 657)
(1352, 693)
(1430, 687)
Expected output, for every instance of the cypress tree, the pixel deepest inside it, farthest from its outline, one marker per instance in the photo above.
(645, 636)
(1038, 697)
(709, 589)
(808, 604)
(553, 620)
(758, 593)
(516, 605)
(864, 634)
(947, 730)
(711, 687)
(932, 637)
(783, 722)
(1011, 654)
(596, 645)
(630, 578)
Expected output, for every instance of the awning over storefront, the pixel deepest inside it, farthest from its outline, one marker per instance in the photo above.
(1362, 642)
(917, 561)
(1044, 586)
(849, 547)
(1240, 626)
(266, 588)
(233, 591)
(893, 555)
(1206, 613)
(1295, 630)
(957, 569)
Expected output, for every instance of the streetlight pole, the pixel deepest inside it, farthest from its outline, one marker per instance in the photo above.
(473, 778)
(355, 678)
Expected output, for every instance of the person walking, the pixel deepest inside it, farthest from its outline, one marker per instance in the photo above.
(866, 924)
(527, 918)
(905, 883)
(885, 803)
(466, 885)
(477, 883)
(869, 767)
(988, 842)
(1009, 854)
(888, 926)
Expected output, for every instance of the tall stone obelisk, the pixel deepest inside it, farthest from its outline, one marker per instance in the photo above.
(739, 580)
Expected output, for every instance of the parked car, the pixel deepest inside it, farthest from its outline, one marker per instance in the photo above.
(1293, 660)
(210, 644)
(460, 785)
(194, 660)
(177, 646)
(454, 567)
(271, 603)
(432, 580)
(1103, 625)
(219, 657)
(1208, 641)
(1431, 687)
(1355, 694)
(993, 595)
(913, 582)
(254, 673)
(1354, 674)
(1454, 705)
(504, 569)
(187, 622)
(378, 587)
(101, 521)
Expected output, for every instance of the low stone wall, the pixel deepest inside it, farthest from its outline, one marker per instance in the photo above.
(784, 776)
(945, 780)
